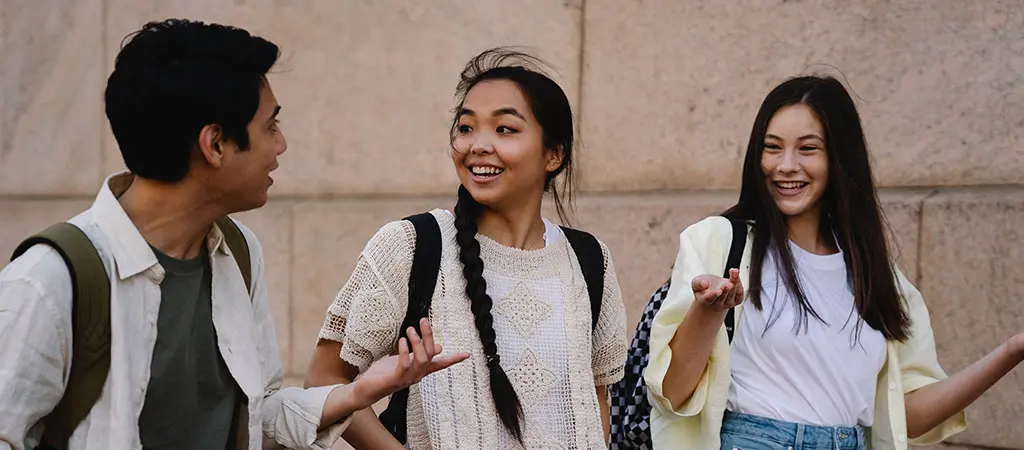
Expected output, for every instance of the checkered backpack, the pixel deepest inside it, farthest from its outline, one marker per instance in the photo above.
(630, 408)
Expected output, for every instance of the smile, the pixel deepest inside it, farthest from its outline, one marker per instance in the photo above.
(486, 171)
(790, 187)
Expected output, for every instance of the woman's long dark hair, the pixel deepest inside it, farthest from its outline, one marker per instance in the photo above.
(850, 208)
(550, 107)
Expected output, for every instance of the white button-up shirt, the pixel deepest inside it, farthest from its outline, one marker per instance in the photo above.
(35, 340)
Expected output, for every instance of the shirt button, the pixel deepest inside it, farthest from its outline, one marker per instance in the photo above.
(892, 386)
(903, 438)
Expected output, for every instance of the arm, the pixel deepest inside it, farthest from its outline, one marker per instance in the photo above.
(35, 345)
(606, 411)
(692, 342)
(326, 368)
(933, 404)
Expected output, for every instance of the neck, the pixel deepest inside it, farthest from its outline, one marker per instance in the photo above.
(174, 218)
(805, 231)
(521, 228)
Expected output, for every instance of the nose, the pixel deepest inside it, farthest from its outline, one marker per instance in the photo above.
(481, 145)
(282, 146)
(789, 163)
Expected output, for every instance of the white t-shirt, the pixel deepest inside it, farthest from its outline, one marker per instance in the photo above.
(819, 375)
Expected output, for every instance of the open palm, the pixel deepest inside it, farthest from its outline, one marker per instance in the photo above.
(408, 367)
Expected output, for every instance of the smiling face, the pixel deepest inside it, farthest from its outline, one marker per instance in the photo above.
(498, 147)
(794, 161)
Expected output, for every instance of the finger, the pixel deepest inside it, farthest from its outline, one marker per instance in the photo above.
(417, 347)
(437, 349)
(700, 283)
(428, 337)
(446, 361)
(403, 355)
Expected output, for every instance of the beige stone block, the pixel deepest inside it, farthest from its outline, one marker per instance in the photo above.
(23, 218)
(328, 237)
(671, 88)
(273, 226)
(51, 102)
(367, 87)
(972, 280)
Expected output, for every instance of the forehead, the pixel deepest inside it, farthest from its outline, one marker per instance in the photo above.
(268, 101)
(491, 95)
(795, 120)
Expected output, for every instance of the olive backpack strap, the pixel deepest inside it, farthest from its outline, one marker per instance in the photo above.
(592, 264)
(90, 325)
(239, 248)
(426, 263)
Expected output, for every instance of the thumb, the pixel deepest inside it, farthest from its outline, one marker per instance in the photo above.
(700, 283)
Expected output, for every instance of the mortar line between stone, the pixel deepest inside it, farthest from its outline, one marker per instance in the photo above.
(920, 235)
(582, 55)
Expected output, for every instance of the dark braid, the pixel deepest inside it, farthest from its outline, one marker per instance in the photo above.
(467, 210)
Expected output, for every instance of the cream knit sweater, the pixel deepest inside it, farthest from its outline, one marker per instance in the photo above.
(543, 325)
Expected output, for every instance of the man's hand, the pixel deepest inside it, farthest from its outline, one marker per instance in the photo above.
(400, 371)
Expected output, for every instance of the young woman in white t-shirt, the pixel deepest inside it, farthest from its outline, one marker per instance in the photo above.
(836, 351)
(510, 290)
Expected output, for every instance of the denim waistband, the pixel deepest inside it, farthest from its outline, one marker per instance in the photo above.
(794, 434)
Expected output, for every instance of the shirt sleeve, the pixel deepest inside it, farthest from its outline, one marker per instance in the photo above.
(35, 354)
(289, 416)
(366, 313)
(700, 249)
(610, 342)
(919, 362)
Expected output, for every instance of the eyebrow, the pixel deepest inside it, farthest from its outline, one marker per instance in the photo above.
(277, 110)
(499, 112)
(801, 138)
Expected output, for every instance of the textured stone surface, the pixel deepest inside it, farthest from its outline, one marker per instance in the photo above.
(671, 88)
(22, 218)
(972, 276)
(366, 88)
(328, 237)
(273, 225)
(50, 96)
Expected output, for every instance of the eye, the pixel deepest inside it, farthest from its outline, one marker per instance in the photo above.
(771, 147)
(505, 130)
(274, 125)
(463, 129)
(808, 148)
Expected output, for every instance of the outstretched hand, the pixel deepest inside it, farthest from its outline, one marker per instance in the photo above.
(408, 367)
(718, 293)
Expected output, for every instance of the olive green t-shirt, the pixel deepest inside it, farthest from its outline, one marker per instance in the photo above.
(191, 398)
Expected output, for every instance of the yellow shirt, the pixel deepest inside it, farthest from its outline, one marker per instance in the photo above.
(703, 249)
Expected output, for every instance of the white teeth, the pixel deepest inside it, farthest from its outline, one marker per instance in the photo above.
(486, 170)
(791, 184)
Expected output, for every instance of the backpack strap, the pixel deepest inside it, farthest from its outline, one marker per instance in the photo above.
(426, 263)
(739, 242)
(90, 328)
(239, 248)
(592, 264)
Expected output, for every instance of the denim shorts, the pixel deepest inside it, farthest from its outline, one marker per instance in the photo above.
(746, 432)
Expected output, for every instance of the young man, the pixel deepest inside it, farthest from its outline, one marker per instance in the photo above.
(193, 357)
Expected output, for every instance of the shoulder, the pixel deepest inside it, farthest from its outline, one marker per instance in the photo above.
(711, 227)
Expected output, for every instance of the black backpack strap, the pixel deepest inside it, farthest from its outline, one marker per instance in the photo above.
(739, 241)
(426, 263)
(591, 258)
(90, 328)
(239, 248)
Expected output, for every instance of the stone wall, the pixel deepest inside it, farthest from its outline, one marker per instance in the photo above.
(664, 91)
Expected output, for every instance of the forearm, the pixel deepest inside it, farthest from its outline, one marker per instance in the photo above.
(366, 432)
(606, 411)
(691, 347)
(933, 404)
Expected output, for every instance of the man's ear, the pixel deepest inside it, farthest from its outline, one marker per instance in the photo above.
(211, 145)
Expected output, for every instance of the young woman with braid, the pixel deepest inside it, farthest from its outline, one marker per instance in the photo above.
(510, 290)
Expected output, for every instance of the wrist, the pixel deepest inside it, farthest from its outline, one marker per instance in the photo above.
(359, 393)
(1016, 346)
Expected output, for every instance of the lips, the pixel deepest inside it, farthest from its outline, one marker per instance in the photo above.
(790, 187)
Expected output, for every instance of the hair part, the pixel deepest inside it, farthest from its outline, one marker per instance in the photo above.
(173, 78)
(850, 209)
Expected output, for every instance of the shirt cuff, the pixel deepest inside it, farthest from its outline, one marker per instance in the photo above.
(294, 417)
